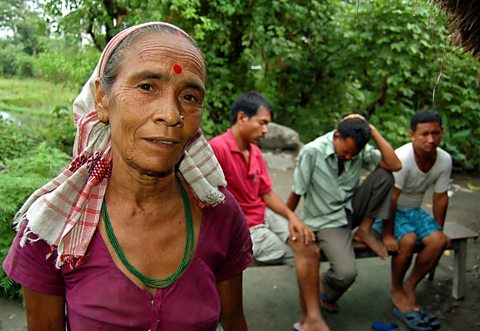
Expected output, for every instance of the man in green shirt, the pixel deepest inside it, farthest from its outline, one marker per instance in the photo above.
(328, 176)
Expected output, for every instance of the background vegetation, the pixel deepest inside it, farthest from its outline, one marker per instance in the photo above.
(315, 60)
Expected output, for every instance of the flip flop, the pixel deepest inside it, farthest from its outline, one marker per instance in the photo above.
(297, 327)
(413, 320)
(431, 319)
(381, 326)
(328, 304)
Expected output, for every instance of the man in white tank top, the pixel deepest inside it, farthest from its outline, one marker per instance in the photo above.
(424, 165)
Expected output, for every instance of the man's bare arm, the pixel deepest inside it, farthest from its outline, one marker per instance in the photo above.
(440, 205)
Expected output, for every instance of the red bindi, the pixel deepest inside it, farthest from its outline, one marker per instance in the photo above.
(177, 68)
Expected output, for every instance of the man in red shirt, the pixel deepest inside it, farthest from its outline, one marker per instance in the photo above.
(275, 230)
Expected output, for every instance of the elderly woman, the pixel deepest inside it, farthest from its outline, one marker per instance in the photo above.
(138, 232)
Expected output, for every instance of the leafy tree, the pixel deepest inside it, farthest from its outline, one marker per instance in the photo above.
(28, 27)
(30, 33)
(316, 61)
(65, 64)
(406, 64)
(100, 19)
(10, 13)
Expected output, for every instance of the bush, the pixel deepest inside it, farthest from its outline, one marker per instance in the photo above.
(15, 141)
(66, 65)
(18, 180)
(60, 129)
(8, 58)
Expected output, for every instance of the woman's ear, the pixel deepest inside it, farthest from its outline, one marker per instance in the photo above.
(101, 102)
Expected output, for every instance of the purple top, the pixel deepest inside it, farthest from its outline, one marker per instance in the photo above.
(100, 297)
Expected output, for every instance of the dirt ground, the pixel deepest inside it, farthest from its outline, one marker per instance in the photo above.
(271, 294)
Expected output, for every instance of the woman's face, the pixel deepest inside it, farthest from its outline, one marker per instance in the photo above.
(155, 104)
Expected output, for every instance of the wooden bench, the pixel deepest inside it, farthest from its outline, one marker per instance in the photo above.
(459, 236)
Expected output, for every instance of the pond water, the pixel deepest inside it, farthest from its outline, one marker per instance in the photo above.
(17, 118)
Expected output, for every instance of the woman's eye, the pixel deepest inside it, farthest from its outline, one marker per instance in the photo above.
(146, 87)
(189, 97)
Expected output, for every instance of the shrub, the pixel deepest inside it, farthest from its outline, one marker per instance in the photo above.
(18, 180)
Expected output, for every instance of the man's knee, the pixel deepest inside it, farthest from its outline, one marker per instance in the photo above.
(345, 276)
(383, 177)
(408, 243)
(312, 251)
(436, 240)
(267, 246)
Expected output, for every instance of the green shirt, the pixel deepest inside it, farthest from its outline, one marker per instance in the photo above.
(327, 194)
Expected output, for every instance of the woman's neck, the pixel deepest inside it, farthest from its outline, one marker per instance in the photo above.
(141, 188)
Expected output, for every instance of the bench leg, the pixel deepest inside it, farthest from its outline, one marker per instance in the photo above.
(431, 274)
(459, 269)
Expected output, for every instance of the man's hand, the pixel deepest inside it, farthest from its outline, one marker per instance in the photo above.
(299, 230)
(390, 243)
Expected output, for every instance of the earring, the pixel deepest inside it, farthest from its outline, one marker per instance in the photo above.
(182, 118)
(100, 116)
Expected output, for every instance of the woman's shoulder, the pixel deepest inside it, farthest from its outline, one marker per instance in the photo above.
(226, 212)
(31, 263)
(228, 204)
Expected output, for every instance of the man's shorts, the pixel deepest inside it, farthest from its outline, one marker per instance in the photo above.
(413, 220)
(269, 239)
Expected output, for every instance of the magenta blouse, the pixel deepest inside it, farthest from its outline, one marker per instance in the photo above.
(100, 297)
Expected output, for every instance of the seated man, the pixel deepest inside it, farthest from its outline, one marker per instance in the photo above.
(328, 175)
(249, 181)
(424, 165)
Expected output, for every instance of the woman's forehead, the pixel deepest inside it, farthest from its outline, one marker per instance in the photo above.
(157, 46)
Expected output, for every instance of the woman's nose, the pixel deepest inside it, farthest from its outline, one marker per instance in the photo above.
(167, 111)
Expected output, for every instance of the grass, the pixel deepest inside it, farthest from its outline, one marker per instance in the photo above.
(32, 96)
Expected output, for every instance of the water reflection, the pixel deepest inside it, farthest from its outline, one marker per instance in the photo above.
(16, 118)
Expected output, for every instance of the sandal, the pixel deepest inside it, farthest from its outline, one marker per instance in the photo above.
(413, 320)
(297, 327)
(431, 319)
(389, 326)
(328, 304)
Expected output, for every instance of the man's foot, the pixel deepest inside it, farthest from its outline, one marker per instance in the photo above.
(312, 324)
(411, 296)
(412, 319)
(366, 236)
(400, 300)
(328, 305)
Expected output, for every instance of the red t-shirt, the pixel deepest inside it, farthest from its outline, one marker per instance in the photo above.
(247, 182)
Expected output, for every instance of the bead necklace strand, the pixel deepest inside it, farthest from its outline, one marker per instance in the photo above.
(187, 254)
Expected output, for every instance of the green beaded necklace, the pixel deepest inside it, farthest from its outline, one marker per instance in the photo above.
(187, 254)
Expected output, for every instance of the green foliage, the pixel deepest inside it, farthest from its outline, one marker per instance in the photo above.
(33, 97)
(20, 177)
(59, 131)
(29, 33)
(403, 65)
(26, 163)
(66, 66)
(457, 95)
(14, 62)
(15, 141)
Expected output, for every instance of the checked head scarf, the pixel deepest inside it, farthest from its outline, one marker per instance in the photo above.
(65, 212)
